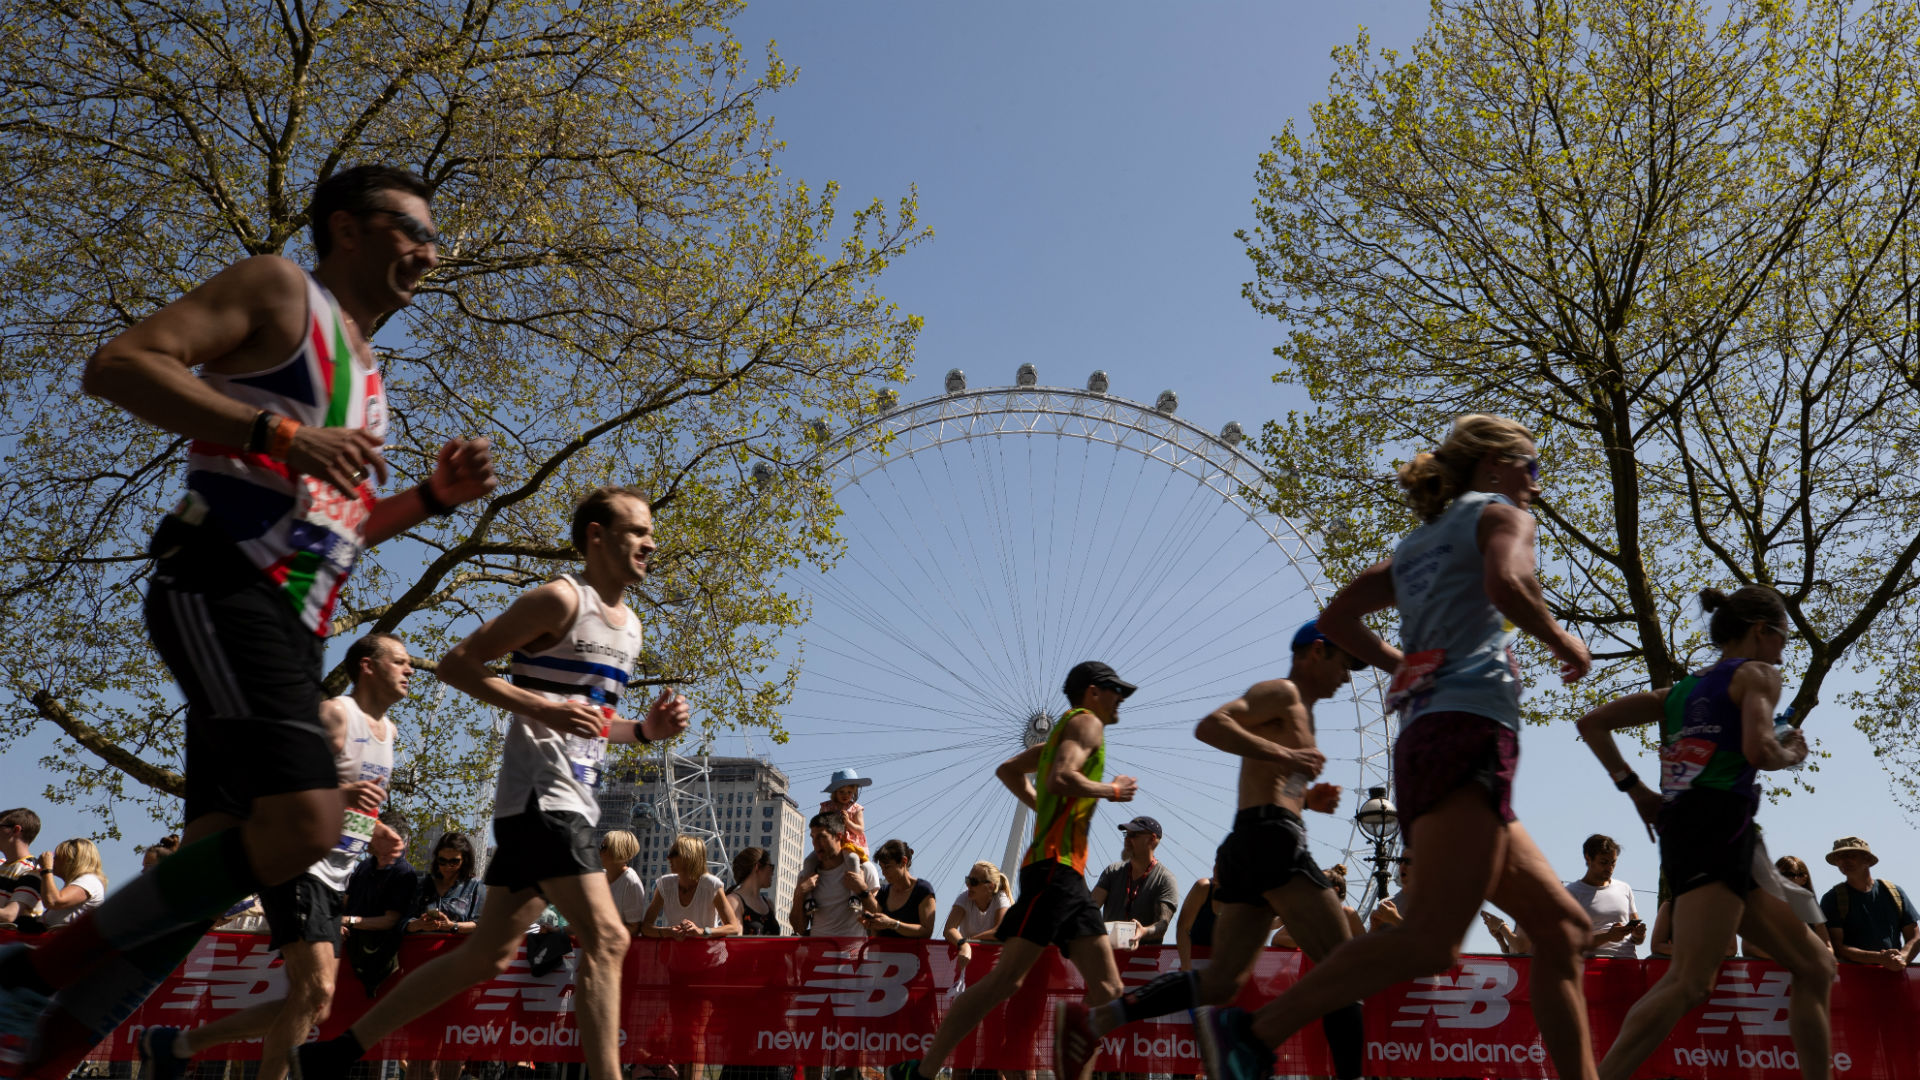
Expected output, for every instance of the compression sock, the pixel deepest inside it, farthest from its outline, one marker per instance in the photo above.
(188, 888)
(1176, 991)
(1346, 1037)
(88, 1011)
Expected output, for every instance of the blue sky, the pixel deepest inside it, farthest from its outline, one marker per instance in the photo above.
(1084, 168)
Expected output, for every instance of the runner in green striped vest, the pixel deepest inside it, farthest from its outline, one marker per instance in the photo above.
(1054, 908)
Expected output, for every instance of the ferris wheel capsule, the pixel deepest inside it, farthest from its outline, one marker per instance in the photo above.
(956, 381)
(1026, 375)
(886, 400)
(1097, 383)
(1167, 403)
(762, 472)
(1233, 434)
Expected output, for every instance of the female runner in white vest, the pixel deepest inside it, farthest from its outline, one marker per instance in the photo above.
(573, 644)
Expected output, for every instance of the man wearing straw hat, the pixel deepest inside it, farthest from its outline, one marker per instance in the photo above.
(1871, 920)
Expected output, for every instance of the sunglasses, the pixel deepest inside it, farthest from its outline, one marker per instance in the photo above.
(455, 861)
(1532, 462)
(977, 881)
(412, 227)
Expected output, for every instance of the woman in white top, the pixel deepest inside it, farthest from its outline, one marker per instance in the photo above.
(617, 849)
(689, 903)
(976, 915)
(77, 864)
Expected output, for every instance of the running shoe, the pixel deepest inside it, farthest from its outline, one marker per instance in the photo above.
(906, 1070)
(1228, 1047)
(20, 1009)
(157, 1057)
(1075, 1046)
(328, 1059)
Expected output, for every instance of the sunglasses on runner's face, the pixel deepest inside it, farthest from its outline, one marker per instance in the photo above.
(1531, 461)
(412, 227)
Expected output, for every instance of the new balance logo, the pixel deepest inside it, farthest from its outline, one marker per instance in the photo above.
(552, 992)
(1476, 999)
(220, 975)
(1759, 1008)
(875, 986)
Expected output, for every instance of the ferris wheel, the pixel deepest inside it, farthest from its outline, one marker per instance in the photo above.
(995, 537)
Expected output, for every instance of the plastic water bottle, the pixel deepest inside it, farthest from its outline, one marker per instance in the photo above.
(587, 756)
(1782, 727)
(1296, 786)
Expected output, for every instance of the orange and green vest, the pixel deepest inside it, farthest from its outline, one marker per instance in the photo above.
(1060, 823)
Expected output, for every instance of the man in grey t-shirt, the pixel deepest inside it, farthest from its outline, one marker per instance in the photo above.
(1139, 888)
(835, 886)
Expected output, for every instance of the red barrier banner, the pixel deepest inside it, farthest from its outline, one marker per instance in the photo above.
(811, 1001)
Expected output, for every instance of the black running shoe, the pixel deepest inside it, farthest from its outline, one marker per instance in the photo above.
(157, 1059)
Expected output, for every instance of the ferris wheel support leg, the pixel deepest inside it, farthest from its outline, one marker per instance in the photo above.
(1014, 836)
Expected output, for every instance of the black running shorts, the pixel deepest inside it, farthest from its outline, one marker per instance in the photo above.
(248, 667)
(540, 845)
(1054, 907)
(1708, 837)
(304, 909)
(1267, 847)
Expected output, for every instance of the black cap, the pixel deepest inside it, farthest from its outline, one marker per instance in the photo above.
(1094, 673)
(1144, 824)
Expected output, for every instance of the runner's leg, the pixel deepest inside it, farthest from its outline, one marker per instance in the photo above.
(1703, 923)
(1092, 956)
(1531, 892)
(1315, 919)
(1017, 957)
(587, 903)
(1772, 924)
(1467, 842)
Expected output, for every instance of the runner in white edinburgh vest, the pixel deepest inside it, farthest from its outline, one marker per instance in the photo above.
(573, 644)
(304, 915)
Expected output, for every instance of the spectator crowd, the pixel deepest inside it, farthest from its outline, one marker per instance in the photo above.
(845, 890)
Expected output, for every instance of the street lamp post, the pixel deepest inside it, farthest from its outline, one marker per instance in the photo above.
(1380, 822)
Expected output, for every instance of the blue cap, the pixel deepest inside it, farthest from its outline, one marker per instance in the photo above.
(1309, 633)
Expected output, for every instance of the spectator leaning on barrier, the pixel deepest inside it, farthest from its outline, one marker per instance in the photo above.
(752, 877)
(1139, 888)
(617, 849)
(1870, 920)
(1617, 926)
(447, 896)
(20, 883)
(976, 915)
(83, 882)
(689, 902)
(906, 903)
(835, 886)
(151, 857)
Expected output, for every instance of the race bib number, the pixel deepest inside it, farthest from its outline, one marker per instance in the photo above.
(587, 758)
(1682, 763)
(1414, 679)
(355, 832)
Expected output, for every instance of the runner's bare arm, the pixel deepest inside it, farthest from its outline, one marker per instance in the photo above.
(1225, 728)
(1512, 582)
(1342, 623)
(1597, 728)
(532, 622)
(462, 473)
(668, 716)
(1014, 771)
(333, 717)
(1084, 732)
(1756, 690)
(248, 317)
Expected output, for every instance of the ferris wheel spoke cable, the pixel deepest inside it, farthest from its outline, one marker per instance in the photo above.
(868, 658)
(902, 593)
(1087, 629)
(1201, 604)
(871, 615)
(994, 544)
(1220, 632)
(910, 706)
(1132, 616)
(941, 581)
(967, 551)
(1073, 622)
(986, 481)
(1138, 592)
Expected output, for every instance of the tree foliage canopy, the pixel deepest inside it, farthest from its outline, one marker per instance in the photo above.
(630, 292)
(1676, 239)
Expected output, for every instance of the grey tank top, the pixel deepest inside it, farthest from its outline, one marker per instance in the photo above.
(1439, 587)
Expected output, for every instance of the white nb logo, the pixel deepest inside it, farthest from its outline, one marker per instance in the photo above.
(875, 986)
(1759, 1009)
(552, 992)
(229, 978)
(1477, 999)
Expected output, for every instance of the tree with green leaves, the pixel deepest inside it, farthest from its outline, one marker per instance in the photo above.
(630, 291)
(1675, 239)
